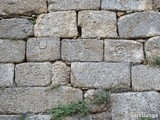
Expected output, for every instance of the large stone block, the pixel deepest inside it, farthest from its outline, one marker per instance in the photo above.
(82, 50)
(12, 50)
(15, 28)
(63, 25)
(33, 74)
(142, 24)
(123, 50)
(55, 5)
(152, 48)
(43, 49)
(36, 99)
(145, 77)
(22, 7)
(127, 5)
(132, 106)
(61, 73)
(97, 75)
(97, 24)
(6, 74)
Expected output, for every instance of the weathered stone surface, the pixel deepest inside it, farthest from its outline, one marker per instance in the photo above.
(12, 51)
(97, 24)
(6, 74)
(143, 24)
(61, 73)
(55, 5)
(88, 117)
(152, 48)
(156, 4)
(102, 116)
(9, 117)
(33, 74)
(123, 50)
(82, 50)
(126, 106)
(129, 5)
(36, 99)
(15, 28)
(105, 75)
(145, 78)
(63, 24)
(22, 7)
(38, 117)
(43, 49)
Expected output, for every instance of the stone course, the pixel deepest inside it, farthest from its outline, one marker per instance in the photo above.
(57, 52)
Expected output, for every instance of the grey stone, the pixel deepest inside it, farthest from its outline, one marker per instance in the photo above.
(152, 48)
(55, 5)
(128, 5)
(38, 117)
(63, 25)
(123, 50)
(12, 51)
(145, 77)
(88, 117)
(142, 24)
(36, 99)
(22, 7)
(61, 73)
(15, 28)
(43, 49)
(82, 50)
(156, 4)
(102, 116)
(9, 117)
(131, 106)
(101, 74)
(33, 74)
(97, 24)
(6, 74)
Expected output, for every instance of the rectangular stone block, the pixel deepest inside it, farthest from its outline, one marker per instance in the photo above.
(82, 50)
(55, 5)
(127, 5)
(36, 99)
(145, 77)
(12, 50)
(15, 28)
(139, 25)
(63, 25)
(22, 7)
(152, 48)
(97, 24)
(43, 49)
(100, 75)
(6, 75)
(33, 74)
(123, 50)
(129, 106)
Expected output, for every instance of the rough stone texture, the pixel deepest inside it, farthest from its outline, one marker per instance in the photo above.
(105, 75)
(55, 5)
(61, 73)
(152, 48)
(33, 74)
(82, 50)
(9, 117)
(125, 106)
(97, 24)
(15, 28)
(6, 74)
(22, 7)
(43, 49)
(63, 25)
(123, 50)
(143, 24)
(129, 5)
(145, 78)
(156, 4)
(38, 117)
(12, 51)
(36, 99)
(102, 116)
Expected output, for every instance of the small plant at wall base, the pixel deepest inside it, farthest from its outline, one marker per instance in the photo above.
(145, 118)
(156, 61)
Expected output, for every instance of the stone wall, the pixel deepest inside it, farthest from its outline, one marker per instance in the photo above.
(59, 51)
